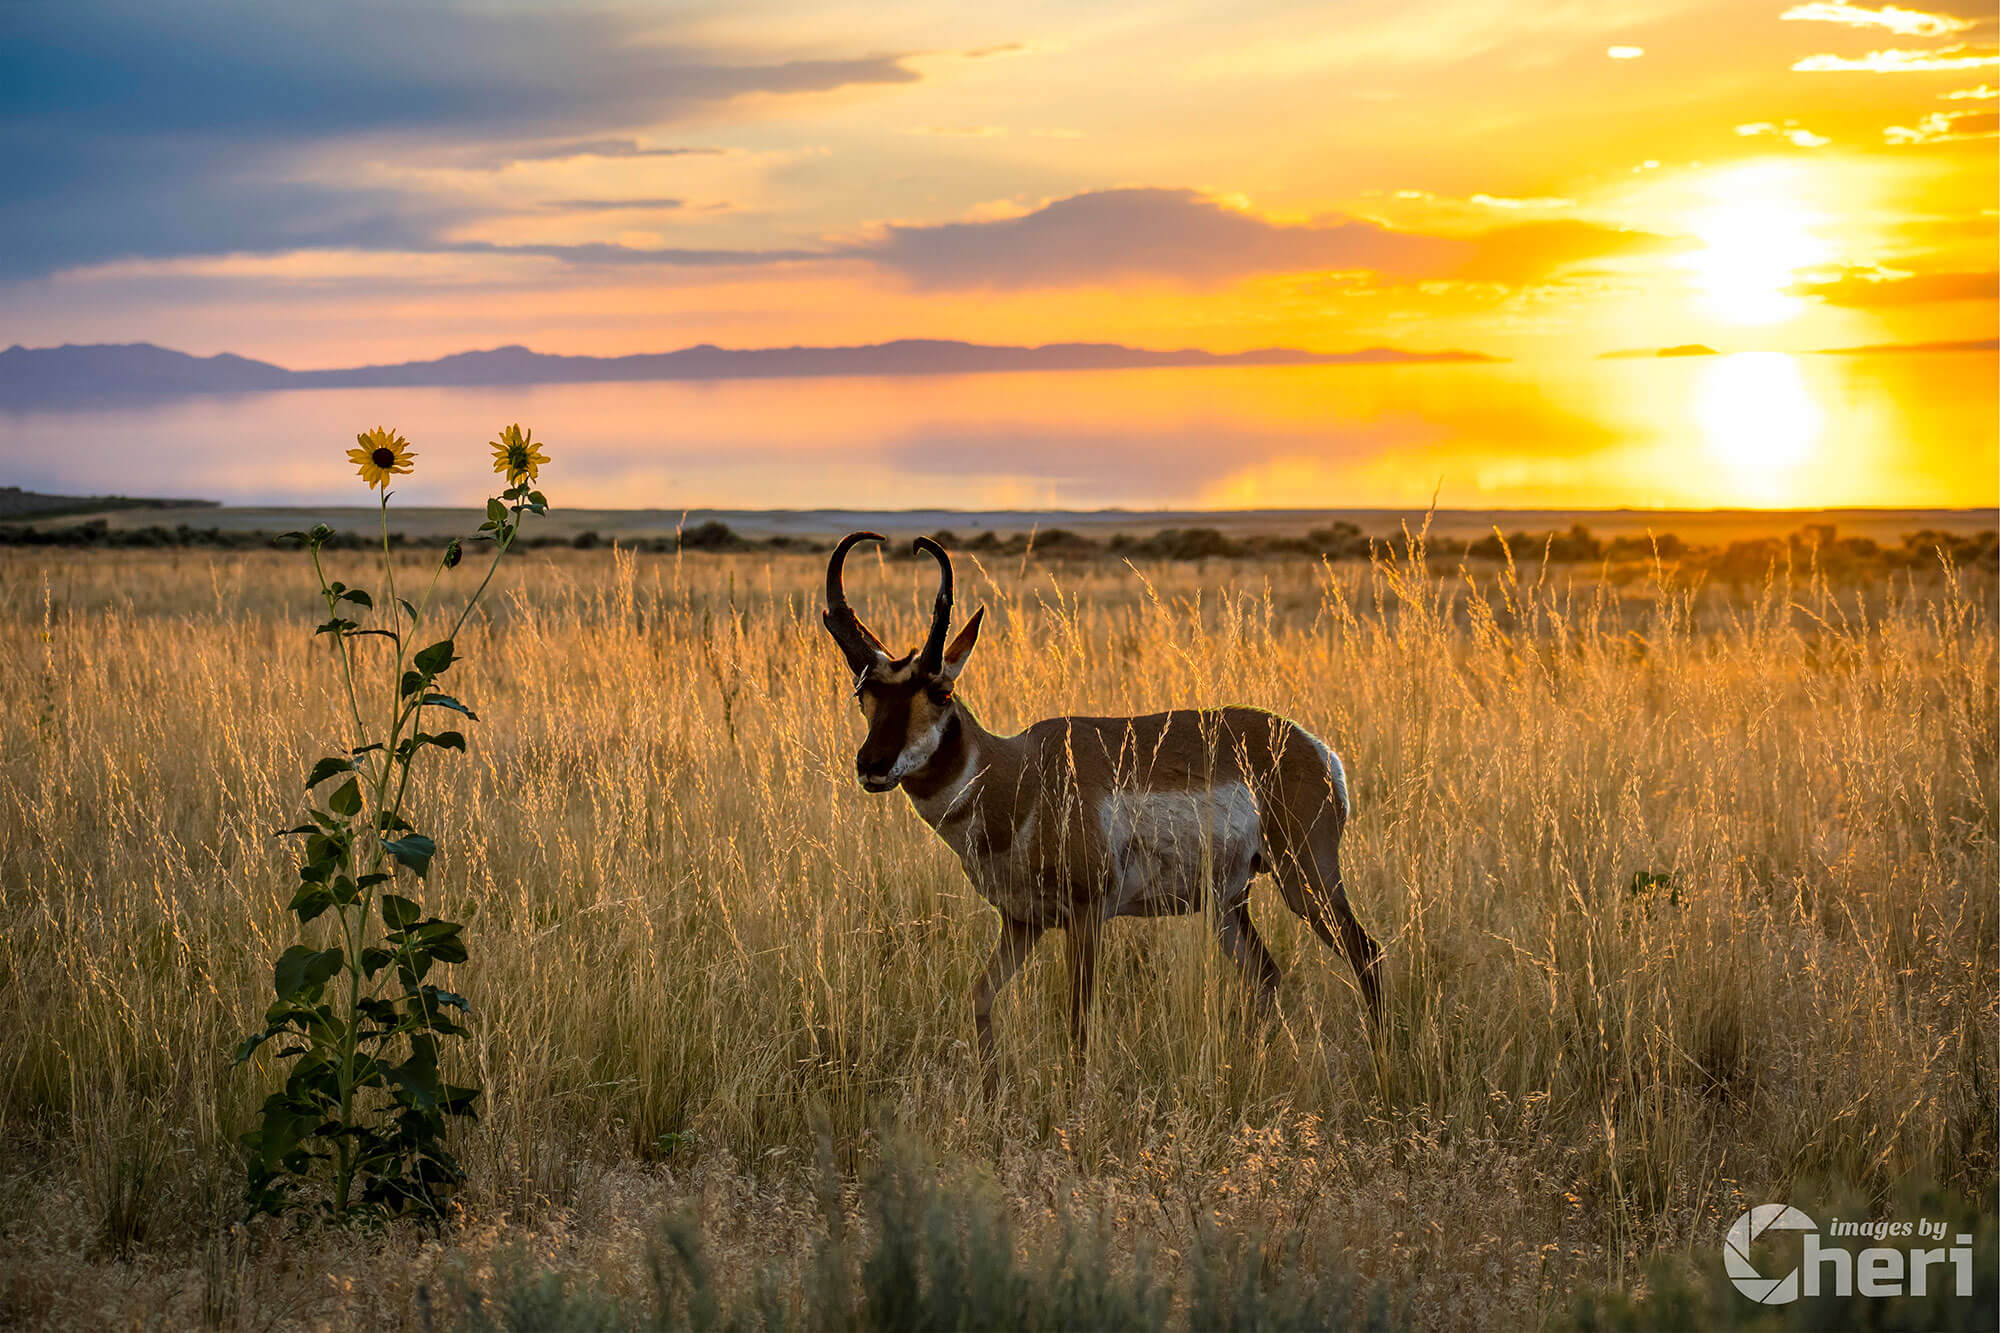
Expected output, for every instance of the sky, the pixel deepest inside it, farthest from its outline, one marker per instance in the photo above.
(338, 183)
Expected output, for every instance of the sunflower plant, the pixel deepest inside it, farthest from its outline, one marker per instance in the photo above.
(358, 1016)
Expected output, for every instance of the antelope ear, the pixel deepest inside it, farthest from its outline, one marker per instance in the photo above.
(961, 647)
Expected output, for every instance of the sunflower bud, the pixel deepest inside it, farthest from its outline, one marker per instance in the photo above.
(453, 551)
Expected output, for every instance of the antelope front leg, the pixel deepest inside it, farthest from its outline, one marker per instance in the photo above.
(1017, 938)
(1083, 933)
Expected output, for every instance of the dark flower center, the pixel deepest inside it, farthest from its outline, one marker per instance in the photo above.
(384, 457)
(517, 457)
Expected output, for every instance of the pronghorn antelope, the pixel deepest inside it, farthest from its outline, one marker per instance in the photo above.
(1080, 819)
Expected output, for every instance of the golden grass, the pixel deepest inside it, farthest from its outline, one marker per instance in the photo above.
(697, 945)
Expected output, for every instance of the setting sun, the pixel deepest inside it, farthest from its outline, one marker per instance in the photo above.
(1756, 239)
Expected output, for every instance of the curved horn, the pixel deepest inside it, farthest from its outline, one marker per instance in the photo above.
(932, 658)
(862, 648)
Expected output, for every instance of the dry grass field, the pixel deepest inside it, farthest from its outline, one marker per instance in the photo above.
(1688, 898)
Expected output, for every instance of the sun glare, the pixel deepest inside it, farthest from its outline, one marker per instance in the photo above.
(1758, 418)
(1755, 237)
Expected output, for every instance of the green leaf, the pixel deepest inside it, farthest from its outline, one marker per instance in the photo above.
(444, 740)
(374, 959)
(433, 660)
(446, 701)
(347, 799)
(409, 610)
(304, 969)
(439, 939)
(310, 901)
(399, 912)
(288, 832)
(495, 511)
(326, 768)
(248, 1046)
(411, 683)
(336, 626)
(417, 1078)
(413, 850)
(358, 597)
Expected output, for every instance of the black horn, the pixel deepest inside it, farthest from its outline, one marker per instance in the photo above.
(863, 649)
(932, 658)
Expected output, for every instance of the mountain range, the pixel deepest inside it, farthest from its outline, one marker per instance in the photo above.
(81, 373)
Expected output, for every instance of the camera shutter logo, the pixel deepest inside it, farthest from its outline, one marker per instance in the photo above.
(1743, 1233)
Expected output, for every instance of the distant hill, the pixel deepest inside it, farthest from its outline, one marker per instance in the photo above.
(1876, 349)
(16, 503)
(129, 368)
(1648, 353)
(84, 373)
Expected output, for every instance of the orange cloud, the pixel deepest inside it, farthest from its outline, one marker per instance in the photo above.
(1902, 62)
(1902, 22)
(1536, 250)
(1946, 127)
(1791, 132)
(1874, 288)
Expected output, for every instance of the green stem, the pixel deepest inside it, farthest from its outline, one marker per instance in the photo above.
(340, 647)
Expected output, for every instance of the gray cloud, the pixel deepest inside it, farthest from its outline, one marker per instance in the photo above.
(561, 152)
(151, 131)
(616, 205)
(1185, 236)
(1114, 234)
(599, 254)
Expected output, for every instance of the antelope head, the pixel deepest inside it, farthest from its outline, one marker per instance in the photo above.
(908, 701)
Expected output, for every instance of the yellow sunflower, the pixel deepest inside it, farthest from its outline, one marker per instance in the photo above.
(516, 456)
(382, 454)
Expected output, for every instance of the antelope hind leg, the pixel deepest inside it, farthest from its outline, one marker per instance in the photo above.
(1245, 947)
